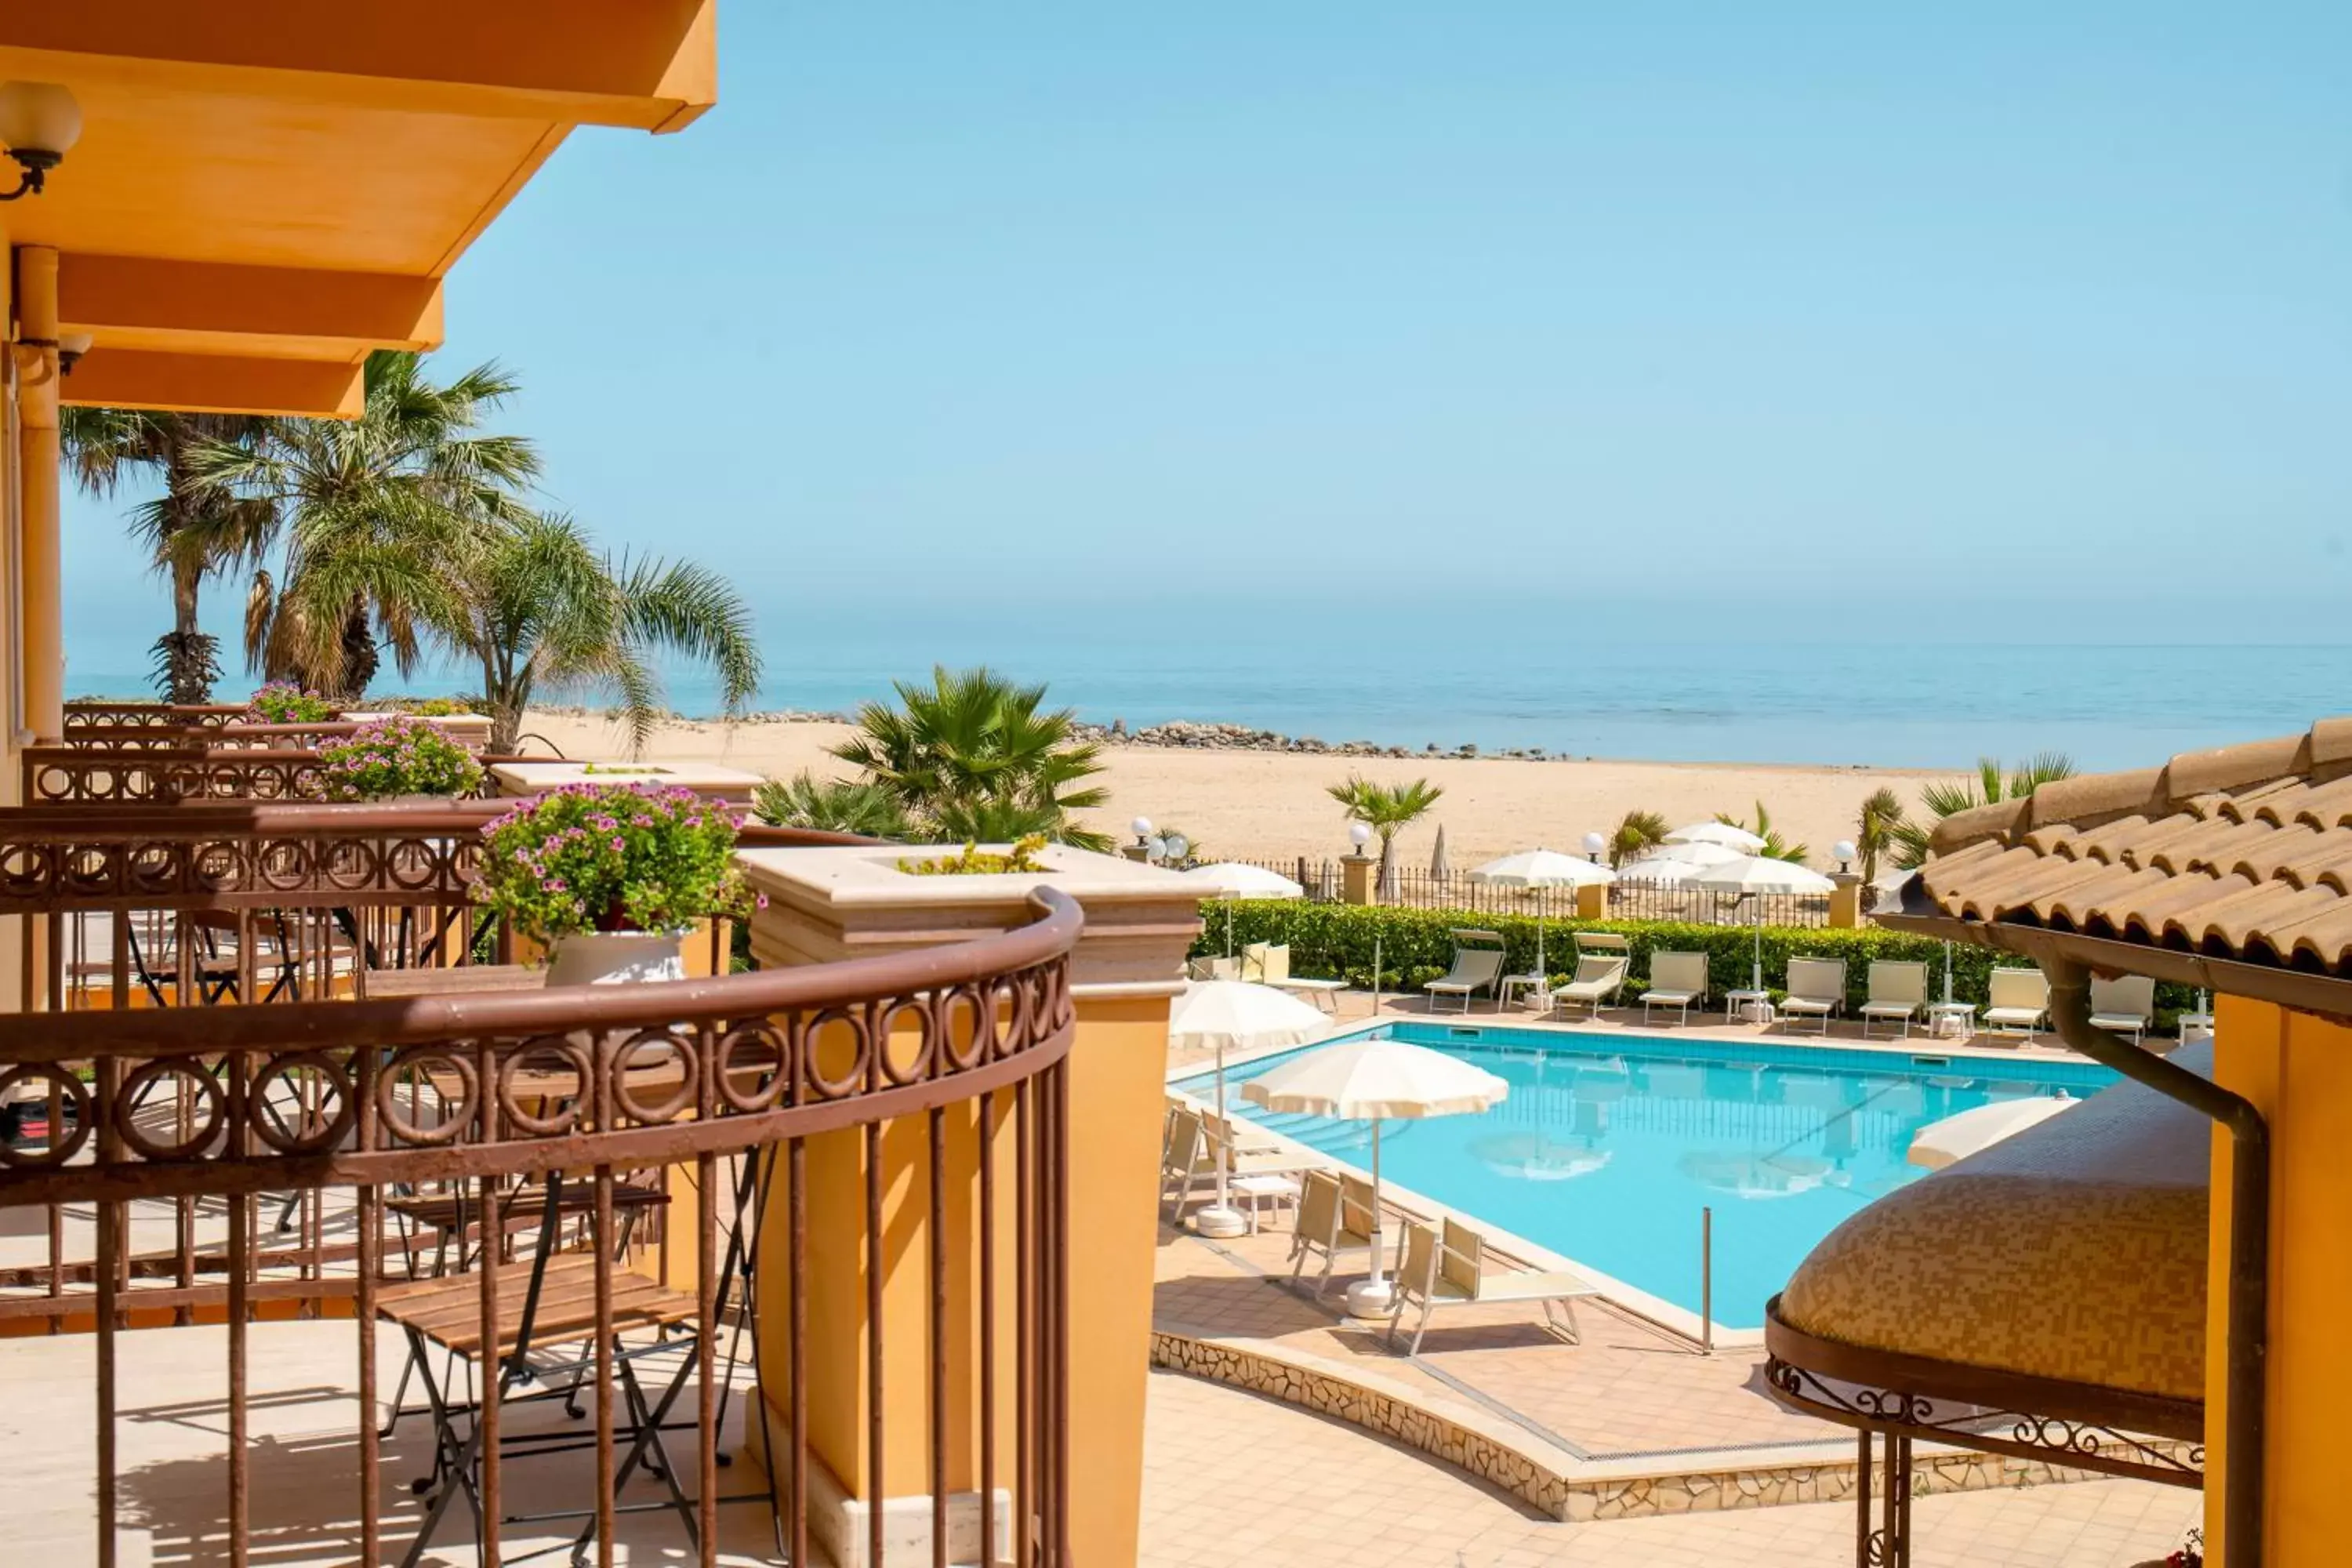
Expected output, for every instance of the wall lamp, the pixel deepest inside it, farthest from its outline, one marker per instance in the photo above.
(40, 123)
(70, 347)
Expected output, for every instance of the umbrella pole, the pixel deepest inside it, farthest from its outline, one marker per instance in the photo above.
(1376, 973)
(1373, 1295)
(1755, 979)
(1220, 1218)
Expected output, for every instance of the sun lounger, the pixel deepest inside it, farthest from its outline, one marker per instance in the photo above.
(1214, 969)
(1335, 1218)
(1816, 989)
(2126, 1005)
(1897, 991)
(1449, 1270)
(1677, 980)
(1602, 959)
(2019, 999)
(1268, 964)
(1476, 968)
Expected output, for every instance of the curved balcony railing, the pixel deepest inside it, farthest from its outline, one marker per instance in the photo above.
(373, 1112)
(87, 712)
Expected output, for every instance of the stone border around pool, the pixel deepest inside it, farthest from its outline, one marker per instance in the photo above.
(1577, 1491)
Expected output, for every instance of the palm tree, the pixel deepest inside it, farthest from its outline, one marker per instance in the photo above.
(536, 604)
(836, 805)
(972, 757)
(1641, 832)
(1875, 830)
(192, 530)
(1914, 840)
(374, 512)
(1775, 846)
(1386, 809)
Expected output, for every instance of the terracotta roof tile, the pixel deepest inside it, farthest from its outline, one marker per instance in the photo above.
(2243, 851)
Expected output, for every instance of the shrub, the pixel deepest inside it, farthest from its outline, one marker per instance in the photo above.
(398, 756)
(608, 858)
(974, 862)
(1336, 940)
(283, 702)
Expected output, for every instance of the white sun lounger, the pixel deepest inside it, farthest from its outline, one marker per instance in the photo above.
(1816, 989)
(1450, 1272)
(1268, 964)
(1897, 991)
(1677, 980)
(1476, 968)
(2017, 999)
(2126, 1005)
(1334, 1219)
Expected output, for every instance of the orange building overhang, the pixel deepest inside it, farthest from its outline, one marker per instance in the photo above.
(259, 201)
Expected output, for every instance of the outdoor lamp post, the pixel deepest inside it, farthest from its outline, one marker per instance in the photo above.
(1595, 844)
(1358, 835)
(1142, 849)
(1841, 852)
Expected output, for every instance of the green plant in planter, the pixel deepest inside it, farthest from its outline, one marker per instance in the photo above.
(974, 862)
(435, 707)
(283, 702)
(398, 756)
(610, 857)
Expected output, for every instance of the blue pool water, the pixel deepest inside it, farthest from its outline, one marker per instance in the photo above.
(1606, 1151)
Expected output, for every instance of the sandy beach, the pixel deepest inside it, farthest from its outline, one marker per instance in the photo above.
(1272, 805)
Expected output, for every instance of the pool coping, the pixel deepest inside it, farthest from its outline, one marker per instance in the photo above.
(1682, 1323)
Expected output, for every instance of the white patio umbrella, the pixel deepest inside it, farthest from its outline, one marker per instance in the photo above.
(1227, 1014)
(1541, 868)
(1738, 839)
(1756, 874)
(1955, 1138)
(1240, 880)
(1371, 1080)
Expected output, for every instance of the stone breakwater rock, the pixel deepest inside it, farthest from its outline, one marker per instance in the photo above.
(798, 716)
(1194, 735)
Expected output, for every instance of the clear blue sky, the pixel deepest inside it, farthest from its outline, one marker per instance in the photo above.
(2023, 305)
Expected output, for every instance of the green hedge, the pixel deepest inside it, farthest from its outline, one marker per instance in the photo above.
(1336, 940)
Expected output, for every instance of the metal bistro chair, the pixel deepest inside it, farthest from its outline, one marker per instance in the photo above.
(555, 1311)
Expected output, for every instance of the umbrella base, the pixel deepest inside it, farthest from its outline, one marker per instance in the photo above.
(1373, 1298)
(1219, 1223)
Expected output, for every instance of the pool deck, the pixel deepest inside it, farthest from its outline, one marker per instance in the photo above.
(1634, 1421)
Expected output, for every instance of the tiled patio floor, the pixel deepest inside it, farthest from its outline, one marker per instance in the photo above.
(1626, 1390)
(1231, 1478)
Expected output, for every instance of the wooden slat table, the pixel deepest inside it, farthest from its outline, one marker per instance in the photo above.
(465, 980)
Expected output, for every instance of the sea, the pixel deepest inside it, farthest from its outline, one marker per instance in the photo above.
(1450, 682)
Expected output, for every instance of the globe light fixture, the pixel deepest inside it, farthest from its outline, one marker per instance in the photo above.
(1841, 851)
(1594, 844)
(1360, 833)
(40, 123)
(1141, 828)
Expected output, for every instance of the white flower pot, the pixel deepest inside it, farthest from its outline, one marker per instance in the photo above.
(617, 958)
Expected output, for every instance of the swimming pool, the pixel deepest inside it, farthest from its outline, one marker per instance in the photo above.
(1606, 1150)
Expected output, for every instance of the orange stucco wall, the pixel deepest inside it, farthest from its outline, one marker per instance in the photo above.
(2297, 1070)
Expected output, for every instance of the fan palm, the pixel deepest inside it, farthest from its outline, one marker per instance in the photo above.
(1881, 818)
(836, 805)
(972, 757)
(373, 512)
(1386, 809)
(1775, 846)
(1915, 840)
(193, 530)
(1641, 832)
(538, 605)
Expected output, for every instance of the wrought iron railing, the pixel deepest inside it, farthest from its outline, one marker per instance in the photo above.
(89, 776)
(90, 711)
(361, 1107)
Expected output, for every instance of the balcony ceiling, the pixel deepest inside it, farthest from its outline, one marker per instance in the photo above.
(252, 208)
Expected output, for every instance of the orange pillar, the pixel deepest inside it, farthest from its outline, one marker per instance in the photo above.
(42, 640)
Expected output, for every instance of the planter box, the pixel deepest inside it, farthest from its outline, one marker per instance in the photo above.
(704, 779)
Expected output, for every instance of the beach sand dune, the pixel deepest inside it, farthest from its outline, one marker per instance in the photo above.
(1272, 805)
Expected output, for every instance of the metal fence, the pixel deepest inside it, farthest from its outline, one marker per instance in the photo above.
(1628, 899)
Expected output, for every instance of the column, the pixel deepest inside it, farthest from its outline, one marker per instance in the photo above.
(42, 640)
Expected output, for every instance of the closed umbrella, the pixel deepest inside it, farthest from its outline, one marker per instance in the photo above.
(1226, 1015)
(1738, 839)
(1371, 1080)
(1955, 1138)
(1755, 874)
(1531, 869)
(1438, 869)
